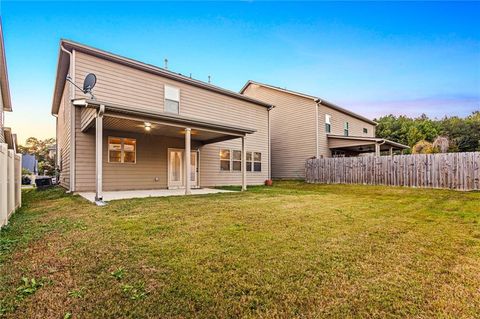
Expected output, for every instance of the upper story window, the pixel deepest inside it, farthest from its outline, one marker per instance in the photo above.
(172, 99)
(328, 124)
(122, 150)
(345, 129)
(365, 130)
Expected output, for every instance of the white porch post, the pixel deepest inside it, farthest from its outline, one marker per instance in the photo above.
(391, 151)
(244, 164)
(99, 154)
(377, 149)
(187, 161)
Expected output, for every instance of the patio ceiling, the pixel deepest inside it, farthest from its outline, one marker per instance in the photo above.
(159, 129)
(124, 118)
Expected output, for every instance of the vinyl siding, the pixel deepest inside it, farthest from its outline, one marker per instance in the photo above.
(87, 116)
(151, 162)
(337, 121)
(292, 131)
(144, 91)
(63, 137)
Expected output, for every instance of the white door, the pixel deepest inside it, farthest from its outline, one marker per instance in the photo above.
(176, 168)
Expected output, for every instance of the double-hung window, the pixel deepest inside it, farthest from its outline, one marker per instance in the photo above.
(345, 129)
(172, 99)
(328, 124)
(225, 160)
(237, 160)
(249, 161)
(231, 160)
(122, 150)
(365, 130)
(257, 161)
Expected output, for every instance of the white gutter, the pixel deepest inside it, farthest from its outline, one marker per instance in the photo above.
(72, 118)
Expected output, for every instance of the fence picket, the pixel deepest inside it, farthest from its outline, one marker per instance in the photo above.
(459, 171)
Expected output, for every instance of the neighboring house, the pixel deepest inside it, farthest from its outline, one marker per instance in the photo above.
(305, 126)
(6, 135)
(150, 128)
(30, 163)
(52, 152)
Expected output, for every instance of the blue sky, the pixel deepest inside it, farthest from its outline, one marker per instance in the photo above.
(374, 58)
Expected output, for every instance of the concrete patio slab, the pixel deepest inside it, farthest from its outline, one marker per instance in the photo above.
(116, 195)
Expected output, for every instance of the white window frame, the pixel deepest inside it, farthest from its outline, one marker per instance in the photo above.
(249, 163)
(122, 141)
(328, 120)
(231, 160)
(365, 130)
(346, 128)
(224, 160)
(165, 98)
(234, 160)
(254, 161)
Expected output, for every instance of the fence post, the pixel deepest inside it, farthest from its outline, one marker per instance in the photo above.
(3, 184)
(11, 182)
(18, 180)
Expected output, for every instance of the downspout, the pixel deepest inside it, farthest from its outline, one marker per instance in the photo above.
(269, 145)
(317, 103)
(72, 118)
(379, 144)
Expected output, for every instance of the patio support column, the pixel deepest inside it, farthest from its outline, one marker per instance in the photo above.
(391, 151)
(377, 149)
(244, 164)
(187, 161)
(99, 154)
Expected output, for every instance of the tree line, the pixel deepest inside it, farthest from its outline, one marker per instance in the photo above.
(40, 148)
(426, 135)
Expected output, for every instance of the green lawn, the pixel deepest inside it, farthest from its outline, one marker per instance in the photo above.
(293, 250)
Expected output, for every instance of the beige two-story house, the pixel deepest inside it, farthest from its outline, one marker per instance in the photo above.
(305, 126)
(144, 127)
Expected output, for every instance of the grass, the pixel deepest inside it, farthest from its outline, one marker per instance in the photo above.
(293, 250)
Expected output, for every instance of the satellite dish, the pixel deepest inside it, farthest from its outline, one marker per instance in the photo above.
(89, 83)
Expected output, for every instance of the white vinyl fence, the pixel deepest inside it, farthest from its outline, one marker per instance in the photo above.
(10, 183)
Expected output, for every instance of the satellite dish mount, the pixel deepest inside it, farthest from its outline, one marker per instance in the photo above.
(88, 84)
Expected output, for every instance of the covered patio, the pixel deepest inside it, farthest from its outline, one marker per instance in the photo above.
(356, 145)
(181, 136)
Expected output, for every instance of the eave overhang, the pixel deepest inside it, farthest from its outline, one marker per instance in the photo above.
(169, 119)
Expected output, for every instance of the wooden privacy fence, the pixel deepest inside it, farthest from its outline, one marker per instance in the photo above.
(10, 183)
(460, 171)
